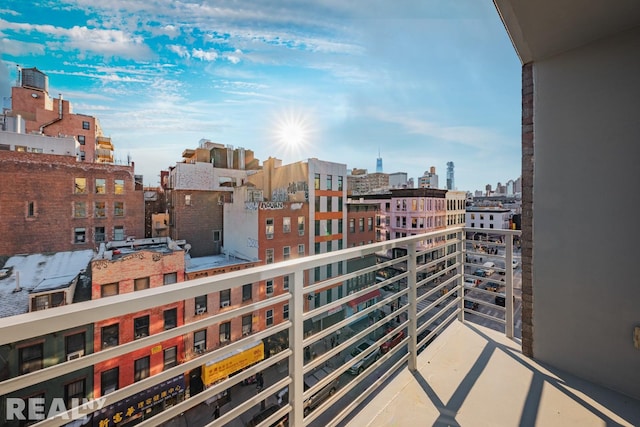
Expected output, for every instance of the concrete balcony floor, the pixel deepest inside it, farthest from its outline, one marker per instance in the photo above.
(474, 376)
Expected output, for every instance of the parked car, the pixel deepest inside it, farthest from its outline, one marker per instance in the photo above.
(480, 273)
(470, 304)
(422, 335)
(499, 300)
(364, 363)
(392, 342)
(310, 380)
(263, 415)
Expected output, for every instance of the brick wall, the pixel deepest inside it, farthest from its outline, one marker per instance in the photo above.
(196, 222)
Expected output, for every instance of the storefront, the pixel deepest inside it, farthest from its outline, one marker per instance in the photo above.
(230, 363)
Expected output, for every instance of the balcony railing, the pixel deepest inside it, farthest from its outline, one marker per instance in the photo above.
(406, 293)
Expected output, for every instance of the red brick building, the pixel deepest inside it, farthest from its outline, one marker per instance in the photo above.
(124, 268)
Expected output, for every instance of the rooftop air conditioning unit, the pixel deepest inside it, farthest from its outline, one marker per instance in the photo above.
(201, 310)
(224, 304)
(75, 355)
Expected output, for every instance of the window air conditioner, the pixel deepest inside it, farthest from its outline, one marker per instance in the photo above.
(201, 310)
(75, 355)
(198, 348)
(224, 304)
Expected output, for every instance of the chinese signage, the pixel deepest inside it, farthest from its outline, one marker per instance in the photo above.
(221, 368)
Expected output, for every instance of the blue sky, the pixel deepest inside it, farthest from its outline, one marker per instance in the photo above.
(423, 81)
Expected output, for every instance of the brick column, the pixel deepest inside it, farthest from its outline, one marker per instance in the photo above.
(528, 160)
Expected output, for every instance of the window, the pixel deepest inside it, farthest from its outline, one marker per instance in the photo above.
(201, 304)
(187, 199)
(300, 226)
(42, 302)
(316, 248)
(286, 224)
(246, 324)
(170, 357)
(317, 203)
(109, 381)
(118, 208)
(285, 282)
(352, 225)
(101, 186)
(301, 249)
(74, 345)
(269, 287)
(286, 252)
(74, 392)
(118, 186)
(339, 226)
(225, 298)
(269, 256)
(361, 224)
(225, 332)
(110, 336)
(217, 235)
(329, 270)
(141, 367)
(329, 245)
(81, 139)
(80, 185)
(269, 228)
(140, 327)
(83, 156)
(339, 204)
(100, 210)
(31, 209)
(316, 274)
(79, 210)
(329, 182)
(370, 224)
(246, 292)
(329, 204)
(99, 234)
(85, 125)
(317, 227)
(285, 311)
(329, 295)
(170, 278)
(79, 235)
(316, 181)
(109, 289)
(170, 318)
(269, 317)
(118, 232)
(329, 227)
(339, 183)
(141, 283)
(200, 341)
(31, 358)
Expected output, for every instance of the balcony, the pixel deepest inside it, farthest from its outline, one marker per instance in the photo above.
(459, 362)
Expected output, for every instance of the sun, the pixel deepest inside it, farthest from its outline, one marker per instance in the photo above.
(293, 131)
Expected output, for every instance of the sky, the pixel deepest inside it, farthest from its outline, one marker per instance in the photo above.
(418, 82)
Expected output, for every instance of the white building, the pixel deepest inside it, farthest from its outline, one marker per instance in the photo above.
(489, 218)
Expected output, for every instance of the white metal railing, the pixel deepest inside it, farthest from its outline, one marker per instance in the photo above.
(421, 300)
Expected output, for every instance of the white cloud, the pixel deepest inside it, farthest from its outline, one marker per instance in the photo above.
(181, 51)
(205, 55)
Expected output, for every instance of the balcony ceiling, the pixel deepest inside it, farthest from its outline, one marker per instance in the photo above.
(542, 28)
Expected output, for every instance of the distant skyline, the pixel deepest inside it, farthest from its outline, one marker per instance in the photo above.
(422, 84)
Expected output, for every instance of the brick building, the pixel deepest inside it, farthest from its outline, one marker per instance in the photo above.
(52, 203)
(123, 267)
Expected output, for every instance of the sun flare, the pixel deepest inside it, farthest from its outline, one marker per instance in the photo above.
(293, 131)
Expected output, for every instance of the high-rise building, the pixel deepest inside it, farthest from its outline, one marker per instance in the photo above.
(379, 163)
(429, 179)
(450, 180)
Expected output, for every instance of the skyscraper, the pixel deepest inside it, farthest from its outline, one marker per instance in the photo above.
(450, 180)
(379, 163)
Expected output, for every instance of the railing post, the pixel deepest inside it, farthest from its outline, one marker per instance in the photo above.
(296, 360)
(461, 259)
(508, 277)
(413, 308)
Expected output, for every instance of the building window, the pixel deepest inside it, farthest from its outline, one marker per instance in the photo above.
(99, 234)
(285, 311)
(80, 186)
(317, 227)
(246, 292)
(269, 317)
(317, 204)
(329, 182)
(118, 208)
(269, 228)
(316, 248)
(246, 324)
(329, 245)
(74, 345)
(269, 257)
(225, 332)
(286, 224)
(140, 327)
(339, 204)
(118, 232)
(285, 282)
(329, 227)
(74, 392)
(31, 358)
(110, 336)
(119, 186)
(170, 357)
(329, 270)
(109, 381)
(300, 226)
(301, 249)
(83, 156)
(200, 341)
(109, 289)
(329, 295)
(101, 186)
(352, 225)
(225, 298)
(170, 318)
(79, 210)
(339, 183)
(81, 139)
(370, 224)
(217, 235)
(141, 367)
(201, 304)
(85, 125)
(286, 252)
(187, 199)
(31, 209)
(316, 274)
(79, 235)
(361, 224)
(269, 287)
(316, 181)
(170, 278)
(140, 283)
(100, 210)
(339, 226)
